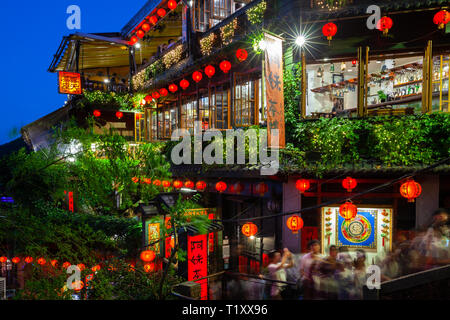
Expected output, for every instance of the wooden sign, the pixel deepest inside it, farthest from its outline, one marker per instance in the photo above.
(273, 74)
(69, 83)
(198, 262)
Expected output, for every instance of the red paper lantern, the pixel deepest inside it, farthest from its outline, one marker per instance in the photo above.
(81, 266)
(294, 223)
(155, 95)
(54, 263)
(66, 264)
(146, 27)
(41, 261)
(97, 113)
(157, 182)
(3, 259)
(29, 259)
(238, 187)
(119, 115)
(96, 268)
(261, 188)
(241, 54)
(302, 185)
(163, 92)
(197, 76)
(173, 88)
(140, 34)
(166, 184)
(249, 229)
(133, 40)
(161, 12)
(153, 19)
(384, 24)
(441, 18)
(148, 98)
(184, 84)
(349, 183)
(221, 186)
(15, 260)
(147, 181)
(135, 179)
(410, 190)
(348, 211)
(148, 256)
(177, 184)
(225, 66)
(149, 267)
(189, 184)
(172, 4)
(210, 71)
(77, 285)
(200, 185)
(329, 30)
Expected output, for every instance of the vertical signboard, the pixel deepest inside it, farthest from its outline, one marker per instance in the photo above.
(153, 237)
(273, 71)
(198, 262)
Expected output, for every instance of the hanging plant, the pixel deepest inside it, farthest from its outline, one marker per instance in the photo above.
(256, 14)
(255, 40)
(227, 32)
(206, 44)
(139, 79)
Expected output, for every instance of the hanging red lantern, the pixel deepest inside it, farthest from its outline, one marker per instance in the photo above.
(133, 40)
(348, 211)
(172, 4)
(384, 24)
(354, 62)
(349, 183)
(135, 179)
(249, 229)
(173, 88)
(197, 76)
(189, 184)
(441, 18)
(161, 12)
(140, 34)
(146, 27)
(242, 55)
(166, 184)
(163, 92)
(54, 263)
(29, 259)
(177, 184)
(302, 185)
(329, 30)
(200, 185)
(221, 186)
(155, 95)
(156, 182)
(66, 264)
(3, 259)
(15, 260)
(148, 181)
(410, 190)
(148, 98)
(184, 84)
(96, 268)
(77, 285)
(41, 261)
(294, 223)
(153, 19)
(81, 266)
(97, 113)
(261, 188)
(119, 115)
(210, 71)
(238, 187)
(149, 267)
(225, 66)
(148, 256)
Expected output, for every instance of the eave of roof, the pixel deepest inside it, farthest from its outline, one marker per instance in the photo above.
(139, 16)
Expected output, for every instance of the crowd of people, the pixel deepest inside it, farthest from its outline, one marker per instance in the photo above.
(342, 274)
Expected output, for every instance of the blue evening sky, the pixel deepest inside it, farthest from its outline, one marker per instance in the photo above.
(32, 31)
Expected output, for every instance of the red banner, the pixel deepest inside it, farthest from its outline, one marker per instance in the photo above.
(274, 90)
(198, 262)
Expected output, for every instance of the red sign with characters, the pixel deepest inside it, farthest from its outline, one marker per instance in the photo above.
(198, 262)
(69, 83)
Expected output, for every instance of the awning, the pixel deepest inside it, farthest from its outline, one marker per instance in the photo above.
(192, 230)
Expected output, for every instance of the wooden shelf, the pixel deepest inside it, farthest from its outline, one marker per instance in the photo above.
(407, 83)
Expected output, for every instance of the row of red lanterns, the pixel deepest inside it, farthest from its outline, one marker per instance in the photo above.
(119, 114)
(42, 261)
(261, 188)
(441, 18)
(177, 184)
(303, 185)
(294, 223)
(153, 20)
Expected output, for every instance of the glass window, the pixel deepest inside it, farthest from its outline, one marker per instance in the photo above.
(220, 108)
(189, 114)
(244, 102)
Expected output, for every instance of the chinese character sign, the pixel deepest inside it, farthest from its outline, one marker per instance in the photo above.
(69, 83)
(274, 89)
(198, 262)
(153, 236)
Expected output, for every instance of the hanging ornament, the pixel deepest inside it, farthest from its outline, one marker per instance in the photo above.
(147, 256)
(221, 186)
(249, 229)
(163, 92)
(261, 188)
(210, 71)
(161, 12)
(54, 263)
(119, 115)
(189, 184)
(302, 185)
(153, 20)
(157, 182)
(140, 34)
(225, 66)
(133, 40)
(197, 76)
(3, 259)
(242, 55)
(410, 190)
(81, 266)
(146, 27)
(184, 84)
(148, 98)
(155, 95)
(29, 259)
(177, 184)
(172, 4)
(384, 24)
(329, 30)
(41, 261)
(173, 88)
(97, 113)
(166, 184)
(348, 211)
(15, 260)
(294, 223)
(349, 184)
(200, 185)
(441, 18)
